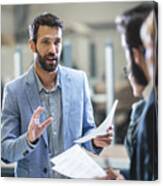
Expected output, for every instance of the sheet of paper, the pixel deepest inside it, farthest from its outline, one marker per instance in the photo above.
(102, 129)
(76, 163)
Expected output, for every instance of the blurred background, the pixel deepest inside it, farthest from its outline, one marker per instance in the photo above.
(90, 43)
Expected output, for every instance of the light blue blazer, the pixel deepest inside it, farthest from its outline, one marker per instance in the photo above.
(21, 98)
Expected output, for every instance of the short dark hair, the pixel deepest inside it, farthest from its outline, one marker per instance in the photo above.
(129, 24)
(45, 19)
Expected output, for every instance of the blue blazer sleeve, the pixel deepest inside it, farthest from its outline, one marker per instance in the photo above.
(14, 146)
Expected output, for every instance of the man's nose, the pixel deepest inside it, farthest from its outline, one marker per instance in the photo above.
(53, 48)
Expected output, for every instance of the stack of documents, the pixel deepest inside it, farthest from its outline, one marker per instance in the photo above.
(76, 163)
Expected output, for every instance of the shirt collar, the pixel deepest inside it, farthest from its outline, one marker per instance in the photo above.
(41, 86)
(147, 90)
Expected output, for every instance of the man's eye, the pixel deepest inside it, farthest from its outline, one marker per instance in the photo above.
(46, 42)
(57, 42)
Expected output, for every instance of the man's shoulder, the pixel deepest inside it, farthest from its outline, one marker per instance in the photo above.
(17, 82)
(20, 80)
(139, 105)
(72, 72)
(137, 109)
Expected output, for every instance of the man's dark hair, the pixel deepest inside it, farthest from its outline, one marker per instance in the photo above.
(45, 19)
(129, 24)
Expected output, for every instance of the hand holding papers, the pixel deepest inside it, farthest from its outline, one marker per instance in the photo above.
(102, 129)
(76, 163)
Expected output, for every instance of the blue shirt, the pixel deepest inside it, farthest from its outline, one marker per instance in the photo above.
(51, 101)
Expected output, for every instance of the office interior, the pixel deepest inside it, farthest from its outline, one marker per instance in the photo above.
(91, 43)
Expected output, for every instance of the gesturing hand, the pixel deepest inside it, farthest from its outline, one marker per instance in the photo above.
(35, 129)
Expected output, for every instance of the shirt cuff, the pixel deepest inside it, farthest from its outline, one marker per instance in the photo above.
(32, 145)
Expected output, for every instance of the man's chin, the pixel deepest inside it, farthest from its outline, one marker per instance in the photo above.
(49, 66)
(52, 68)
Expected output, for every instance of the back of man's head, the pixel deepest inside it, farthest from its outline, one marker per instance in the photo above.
(129, 23)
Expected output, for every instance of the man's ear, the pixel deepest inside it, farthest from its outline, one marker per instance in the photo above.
(32, 45)
(137, 56)
(139, 60)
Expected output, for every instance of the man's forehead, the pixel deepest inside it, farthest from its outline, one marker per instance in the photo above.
(50, 37)
(49, 31)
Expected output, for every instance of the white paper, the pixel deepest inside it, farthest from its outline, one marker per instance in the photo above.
(102, 129)
(76, 163)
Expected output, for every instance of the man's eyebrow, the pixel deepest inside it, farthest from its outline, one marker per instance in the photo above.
(50, 37)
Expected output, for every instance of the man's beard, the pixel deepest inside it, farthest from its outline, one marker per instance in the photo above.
(48, 63)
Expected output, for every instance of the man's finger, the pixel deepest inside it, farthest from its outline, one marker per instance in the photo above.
(104, 136)
(101, 144)
(46, 123)
(37, 112)
(104, 139)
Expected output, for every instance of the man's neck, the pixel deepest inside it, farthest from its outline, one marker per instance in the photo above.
(48, 79)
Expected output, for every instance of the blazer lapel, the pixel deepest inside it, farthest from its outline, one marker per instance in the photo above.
(33, 96)
(66, 95)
